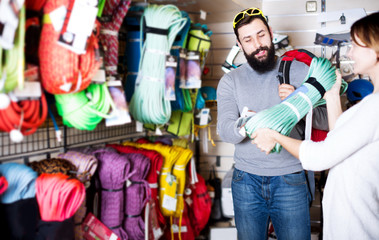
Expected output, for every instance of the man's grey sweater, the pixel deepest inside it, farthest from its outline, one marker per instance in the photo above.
(244, 87)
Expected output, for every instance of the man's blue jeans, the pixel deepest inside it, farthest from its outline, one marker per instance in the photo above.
(283, 199)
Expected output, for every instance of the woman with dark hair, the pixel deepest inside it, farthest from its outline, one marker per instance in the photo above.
(351, 149)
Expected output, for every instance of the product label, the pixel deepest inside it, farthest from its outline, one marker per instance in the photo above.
(169, 203)
(78, 26)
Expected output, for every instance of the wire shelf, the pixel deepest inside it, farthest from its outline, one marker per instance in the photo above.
(44, 140)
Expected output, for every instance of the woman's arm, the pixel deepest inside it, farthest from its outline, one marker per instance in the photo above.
(266, 138)
(333, 102)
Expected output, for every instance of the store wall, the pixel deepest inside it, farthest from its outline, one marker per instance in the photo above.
(287, 17)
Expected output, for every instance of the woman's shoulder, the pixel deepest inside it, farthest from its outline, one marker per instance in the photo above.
(369, 105)
(371, 99)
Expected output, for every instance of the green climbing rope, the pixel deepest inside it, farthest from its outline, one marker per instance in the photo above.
(285, 115)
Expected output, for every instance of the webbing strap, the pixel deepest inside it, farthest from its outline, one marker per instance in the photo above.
(154, 30)
(159, 31)
(115, 227)
(287, 72)
(301, 55)
(317, 85)
(111, 190)
(280, 73)
(284, 67)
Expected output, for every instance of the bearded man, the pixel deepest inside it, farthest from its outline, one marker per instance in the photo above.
(264, 187)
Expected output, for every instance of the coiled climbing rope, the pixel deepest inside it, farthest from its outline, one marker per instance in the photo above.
(285, 115)
(148, 103)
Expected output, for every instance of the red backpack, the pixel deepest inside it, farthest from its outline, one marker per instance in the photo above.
(196, 213)
(306, 57)
(199, 203)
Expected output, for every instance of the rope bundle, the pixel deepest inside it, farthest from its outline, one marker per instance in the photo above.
(67, 165)
(148, 103)
(54, 165)
(179, 171)
(156, 161)
(136, 196)
(58, 196)
(21, 182)
(18, 209)
(12, 66)
(170, 156)
(172, 179)
(78, 111)
(23, 117)
(86, 166)
(113, 171)
(62, 70)
(115, 10)
(284, 116)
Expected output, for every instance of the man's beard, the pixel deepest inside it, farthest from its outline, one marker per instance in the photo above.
(263, 65)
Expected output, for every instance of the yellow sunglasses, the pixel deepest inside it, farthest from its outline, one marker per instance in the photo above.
(250, 12)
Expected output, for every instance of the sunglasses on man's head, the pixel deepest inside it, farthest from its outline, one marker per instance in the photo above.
(249, 12)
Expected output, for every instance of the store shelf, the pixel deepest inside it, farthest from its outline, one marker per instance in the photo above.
(44, 140)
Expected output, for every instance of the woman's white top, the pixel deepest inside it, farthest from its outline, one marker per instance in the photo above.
(351, 152)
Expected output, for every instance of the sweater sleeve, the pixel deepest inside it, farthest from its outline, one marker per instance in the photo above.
(227, 111)
(354, 129)
(320, 118)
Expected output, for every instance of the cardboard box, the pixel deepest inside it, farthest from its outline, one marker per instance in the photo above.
(223, 233)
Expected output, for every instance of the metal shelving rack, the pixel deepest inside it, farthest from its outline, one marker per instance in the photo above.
(44, 141)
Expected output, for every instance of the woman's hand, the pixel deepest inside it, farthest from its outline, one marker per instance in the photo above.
(333, 101)
(264, 138)
(335, 90)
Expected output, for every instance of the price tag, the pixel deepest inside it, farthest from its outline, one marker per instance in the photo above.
(203, 14)
(120, 114)
(169, 203)
(31, 90)
(204, 116)
(9, 19)
(78, 26)
(139, 126)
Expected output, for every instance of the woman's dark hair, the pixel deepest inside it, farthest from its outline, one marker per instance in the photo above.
(367, 30)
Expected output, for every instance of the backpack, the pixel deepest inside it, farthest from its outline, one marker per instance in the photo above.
(300, 55)
(199, 204)
(215, 191)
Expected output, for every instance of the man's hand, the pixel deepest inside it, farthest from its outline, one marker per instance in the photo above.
(285, 90)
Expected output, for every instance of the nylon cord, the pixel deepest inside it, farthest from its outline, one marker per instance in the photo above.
(283, 116)
(148, 103)
(58, 196)
(82, 113)
(12, 66)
